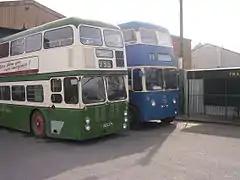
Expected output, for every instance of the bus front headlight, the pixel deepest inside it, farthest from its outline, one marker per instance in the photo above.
(125, 119)
(87, 127)
(87, 120)
(124, 126)
(125, 113)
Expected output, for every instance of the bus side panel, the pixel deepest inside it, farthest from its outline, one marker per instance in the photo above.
(16, 116)
(64, 123)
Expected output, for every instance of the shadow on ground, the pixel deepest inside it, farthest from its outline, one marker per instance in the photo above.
(25, 157)
(213, 129)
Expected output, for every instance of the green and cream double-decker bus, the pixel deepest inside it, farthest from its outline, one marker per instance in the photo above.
(64, 79)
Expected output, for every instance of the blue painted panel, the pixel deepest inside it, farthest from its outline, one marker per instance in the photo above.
(164, 106)
(138, 55)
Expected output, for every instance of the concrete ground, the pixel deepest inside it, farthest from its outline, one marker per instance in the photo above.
(183, 151)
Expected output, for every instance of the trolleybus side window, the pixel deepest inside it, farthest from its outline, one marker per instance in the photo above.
(56, 87)
(33, 43)
(5, 93)
(58, 37)
(137, 80)
(17, 47)
(35, 93)
(90, 36)
(4, 50)
(116, 89)
(93, 90)
(18, 93)
(71, 90)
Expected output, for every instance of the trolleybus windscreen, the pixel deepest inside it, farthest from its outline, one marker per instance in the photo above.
(154, 79)
(116, 89)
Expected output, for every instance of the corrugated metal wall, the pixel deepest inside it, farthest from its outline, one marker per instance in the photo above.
(20, 14)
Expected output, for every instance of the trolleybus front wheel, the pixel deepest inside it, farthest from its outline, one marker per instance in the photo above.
(38, 124)
(167, 121)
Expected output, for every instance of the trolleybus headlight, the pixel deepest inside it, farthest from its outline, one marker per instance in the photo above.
(175, 112)
(125, 119)
(153, 103)
(174, 101)
(125, 113)
(87, 127)
(124, 126)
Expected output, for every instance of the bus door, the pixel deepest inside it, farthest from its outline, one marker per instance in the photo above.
(94, 99)
(117, 95)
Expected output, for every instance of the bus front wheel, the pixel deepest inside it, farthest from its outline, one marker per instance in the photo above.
(38, 124)
(167, 121)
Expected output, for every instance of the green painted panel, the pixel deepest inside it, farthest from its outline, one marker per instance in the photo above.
(68, 123)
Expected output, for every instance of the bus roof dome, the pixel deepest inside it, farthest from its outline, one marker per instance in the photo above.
(138, 24)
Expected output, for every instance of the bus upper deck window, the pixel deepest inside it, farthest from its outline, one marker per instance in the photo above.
(164, 38)
(148, 36)
(129, 36)
(58, 37)
(113, 38)
(90, 36)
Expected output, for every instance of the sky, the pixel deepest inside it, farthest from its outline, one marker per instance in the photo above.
(205, 21)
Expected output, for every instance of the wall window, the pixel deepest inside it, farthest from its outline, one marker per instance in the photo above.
(148, 36)
(17, 47)
(93, 90)
(90, 36)
(56, 85)
(18, 93)
(4, 50)
(71, 90)
(35, 93)
(129, 36)
(58, 38)
(5, 93)
(33, 43)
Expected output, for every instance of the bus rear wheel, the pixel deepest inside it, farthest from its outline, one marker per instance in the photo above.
(38, 124)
